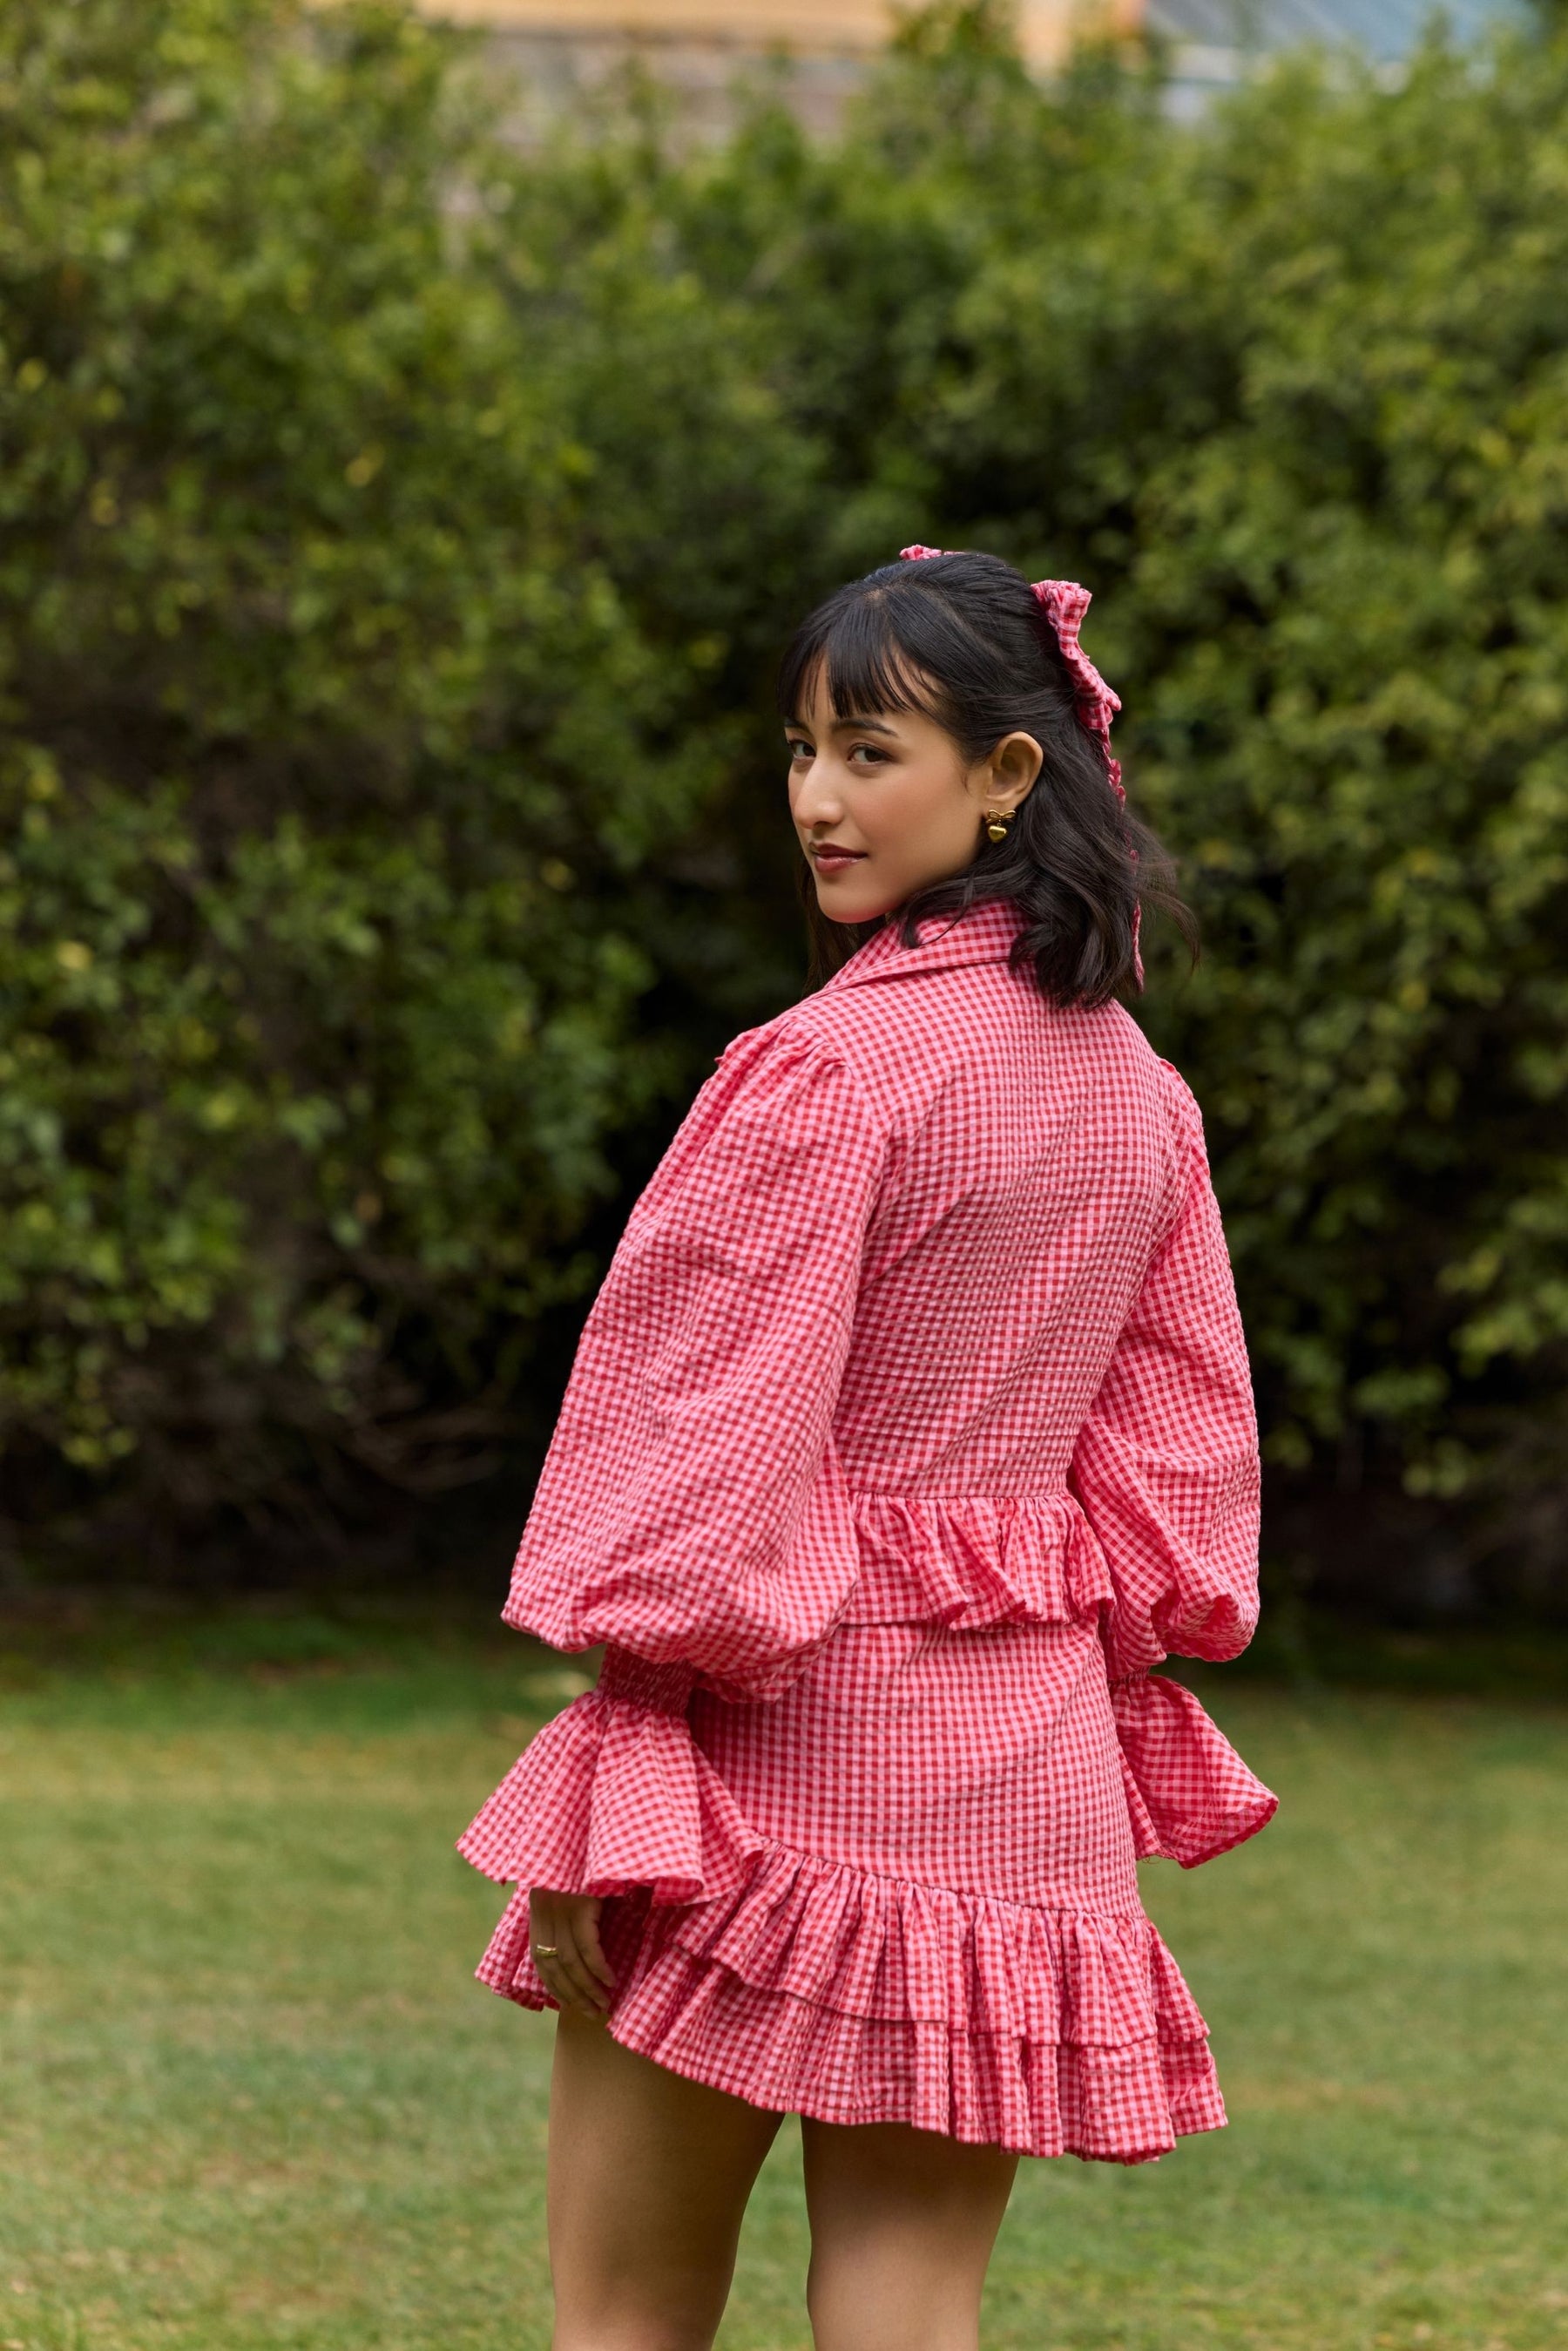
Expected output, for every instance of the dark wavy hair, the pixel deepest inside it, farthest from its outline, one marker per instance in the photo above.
(961, 639)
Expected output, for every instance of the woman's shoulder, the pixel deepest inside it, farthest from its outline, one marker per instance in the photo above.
(779, 1104)
(1113, 1035)
(1180, 1104)
(839, 1045)
(786, 1073)
(795, 1045)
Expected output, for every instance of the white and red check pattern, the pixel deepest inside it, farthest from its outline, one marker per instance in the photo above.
(912, 1427)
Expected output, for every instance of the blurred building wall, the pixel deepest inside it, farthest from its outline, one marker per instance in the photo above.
(818, 50)
(834, 28)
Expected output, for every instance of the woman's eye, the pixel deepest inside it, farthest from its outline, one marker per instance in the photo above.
(869, 754)
(797, 749)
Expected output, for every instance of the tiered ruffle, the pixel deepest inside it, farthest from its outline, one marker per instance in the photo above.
(816, 1988)
(810, 1987)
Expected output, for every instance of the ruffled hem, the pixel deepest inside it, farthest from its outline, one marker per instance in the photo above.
(1189, 1795)
(613, 1795)
(965, 1559)
(820, 1989)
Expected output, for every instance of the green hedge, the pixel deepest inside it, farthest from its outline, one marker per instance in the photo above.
(330, 745)
(394, 533)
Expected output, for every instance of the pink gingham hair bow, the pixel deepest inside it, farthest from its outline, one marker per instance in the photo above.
(1065, 604)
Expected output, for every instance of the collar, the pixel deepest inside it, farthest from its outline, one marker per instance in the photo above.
(983, 934)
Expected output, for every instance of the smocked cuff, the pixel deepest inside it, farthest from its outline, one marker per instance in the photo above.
(632, 1680)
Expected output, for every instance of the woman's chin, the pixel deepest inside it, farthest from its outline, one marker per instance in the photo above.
(841, 905)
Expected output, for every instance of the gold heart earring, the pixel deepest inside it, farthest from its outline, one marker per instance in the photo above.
(996, 821)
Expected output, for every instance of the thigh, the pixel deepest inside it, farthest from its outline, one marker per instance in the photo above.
(902, 2226)
(648, 2179)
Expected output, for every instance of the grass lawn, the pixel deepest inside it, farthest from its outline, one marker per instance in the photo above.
(249, 2095)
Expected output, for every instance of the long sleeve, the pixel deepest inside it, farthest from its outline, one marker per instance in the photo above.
(1166, 1464)
(1165, 1468)
(691, 1513)
(690, 1507)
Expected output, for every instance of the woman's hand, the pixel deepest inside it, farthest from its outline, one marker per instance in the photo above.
(563, 1930)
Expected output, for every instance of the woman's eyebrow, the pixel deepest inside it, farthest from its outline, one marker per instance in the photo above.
(862, 726)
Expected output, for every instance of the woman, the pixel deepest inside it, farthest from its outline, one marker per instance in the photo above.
(910, 1429)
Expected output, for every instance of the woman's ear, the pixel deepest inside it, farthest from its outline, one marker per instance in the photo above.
(1010, 772)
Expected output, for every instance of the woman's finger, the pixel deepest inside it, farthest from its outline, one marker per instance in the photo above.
(558, 1983)
(549, 1923)
(573, 1970)
(590, 1947)
(554, 1977)
(543, 1914)
(587, 1995)
(557, 1927)
(545, 1935)
(561, 1969)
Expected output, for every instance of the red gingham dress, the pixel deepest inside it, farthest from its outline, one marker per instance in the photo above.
(912, 1427)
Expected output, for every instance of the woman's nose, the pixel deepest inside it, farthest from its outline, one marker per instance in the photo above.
(817, 801)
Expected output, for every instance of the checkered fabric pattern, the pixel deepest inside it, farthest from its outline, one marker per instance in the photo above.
(911, 1427)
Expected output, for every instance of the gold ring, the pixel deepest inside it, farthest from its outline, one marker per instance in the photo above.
(547, 1951)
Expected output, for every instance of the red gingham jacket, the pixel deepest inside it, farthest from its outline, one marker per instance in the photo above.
(926, 1314)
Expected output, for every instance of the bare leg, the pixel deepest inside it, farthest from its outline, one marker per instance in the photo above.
(648, 2179)
(902, 2226)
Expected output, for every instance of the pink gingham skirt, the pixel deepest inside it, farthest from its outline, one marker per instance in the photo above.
(904, 1891)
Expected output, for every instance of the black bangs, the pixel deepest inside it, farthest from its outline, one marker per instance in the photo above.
(871, 668)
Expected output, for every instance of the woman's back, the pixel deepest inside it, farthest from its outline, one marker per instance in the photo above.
(1035, 1157)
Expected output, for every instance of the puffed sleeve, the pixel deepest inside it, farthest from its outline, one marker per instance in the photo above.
(690, 1507)
(1165, 1468)
(691, 1513)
